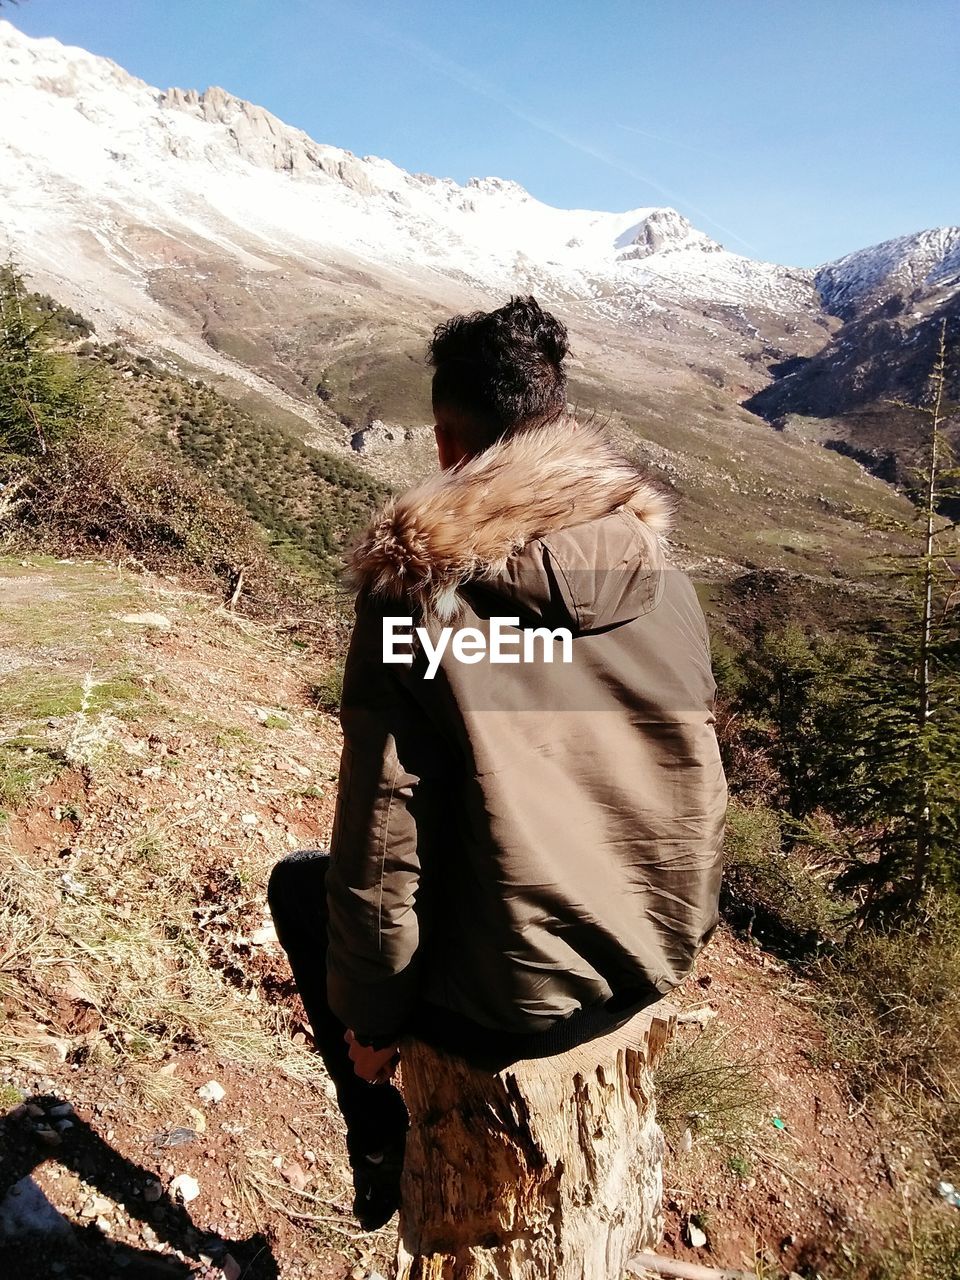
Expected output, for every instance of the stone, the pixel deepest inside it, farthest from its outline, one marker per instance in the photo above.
(696, 1236)
(152, 1191)
(212, 1092)
(697, 1017)
(295, 1175)
(198, 1119)
(96, 1206)
(377, 436)
(185, 1187)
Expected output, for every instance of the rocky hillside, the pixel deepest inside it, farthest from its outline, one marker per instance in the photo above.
(219, 170)
(200, 227)
(894, 300)
(911, 269)
(303, 279)
(161, 1114)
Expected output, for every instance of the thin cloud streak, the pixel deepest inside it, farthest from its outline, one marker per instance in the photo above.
(669, 142)
(468, 79)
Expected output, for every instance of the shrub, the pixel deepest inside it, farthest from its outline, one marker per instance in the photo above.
(327, 692)
(924, 1246)
(781, 897)
(309, 500)
(798, 692)
(704, 1084)
(43, 394)
(108, 497)
(893, 1002)
(194, 487)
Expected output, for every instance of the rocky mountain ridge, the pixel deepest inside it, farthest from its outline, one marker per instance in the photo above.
(200, 228)
(911, 267)
(78, 131)
(896, 300)
(655, 250)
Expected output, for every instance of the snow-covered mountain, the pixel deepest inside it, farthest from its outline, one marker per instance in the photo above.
(199, 226)
(91, 156)
(897, 300)
(910, 267)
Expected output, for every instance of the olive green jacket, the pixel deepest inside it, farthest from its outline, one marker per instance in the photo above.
(520, 841)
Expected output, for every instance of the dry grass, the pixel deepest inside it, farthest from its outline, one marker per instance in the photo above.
(113, 969)
(920, 1242)
(704, 1084)
(25, 767)
(892, 1001)
(109, 956)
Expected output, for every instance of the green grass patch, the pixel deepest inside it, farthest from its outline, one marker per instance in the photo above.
(40, 697)
(276, 722)
(122, 696)
(326, 692)
(46, 696)
(779, 896)
(24, 769)
(9, 1096)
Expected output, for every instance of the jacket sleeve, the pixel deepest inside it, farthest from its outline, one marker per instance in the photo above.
(374, 876)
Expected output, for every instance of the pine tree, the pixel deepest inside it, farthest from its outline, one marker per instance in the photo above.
(43, 395)
(905, 787)
(799, 695)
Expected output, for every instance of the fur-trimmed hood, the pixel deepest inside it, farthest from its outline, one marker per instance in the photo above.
(464, 525)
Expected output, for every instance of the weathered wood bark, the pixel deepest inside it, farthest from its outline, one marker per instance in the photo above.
(549, 1170)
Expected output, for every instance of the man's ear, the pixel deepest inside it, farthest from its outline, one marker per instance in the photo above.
(452, 436)
(450, 450)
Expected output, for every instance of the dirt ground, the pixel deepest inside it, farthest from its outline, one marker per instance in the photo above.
(808, 1173)
(170, 764)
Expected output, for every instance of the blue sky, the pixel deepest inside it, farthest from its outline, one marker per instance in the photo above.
(793, 130)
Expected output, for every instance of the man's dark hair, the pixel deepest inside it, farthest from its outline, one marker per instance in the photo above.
(501, 371)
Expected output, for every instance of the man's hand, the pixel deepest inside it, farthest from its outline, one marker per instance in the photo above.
(376, 1066)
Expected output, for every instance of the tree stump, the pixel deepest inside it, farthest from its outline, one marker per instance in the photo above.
(549, 1170)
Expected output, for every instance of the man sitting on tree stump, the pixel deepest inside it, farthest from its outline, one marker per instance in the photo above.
(527, 843)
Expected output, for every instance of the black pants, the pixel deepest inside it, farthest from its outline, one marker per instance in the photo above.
(374, 1113)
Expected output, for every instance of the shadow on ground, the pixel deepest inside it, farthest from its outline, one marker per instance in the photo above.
(38, 1241)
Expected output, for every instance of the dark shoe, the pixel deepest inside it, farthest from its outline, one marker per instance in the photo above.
(376, 1182)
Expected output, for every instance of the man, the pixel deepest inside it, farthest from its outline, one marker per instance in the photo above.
(526, 849)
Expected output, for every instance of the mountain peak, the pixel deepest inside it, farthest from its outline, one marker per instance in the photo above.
(61, 68)
(662, 230)
(99, 151)
(910, 265)
(499, 186)
(262, 139)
